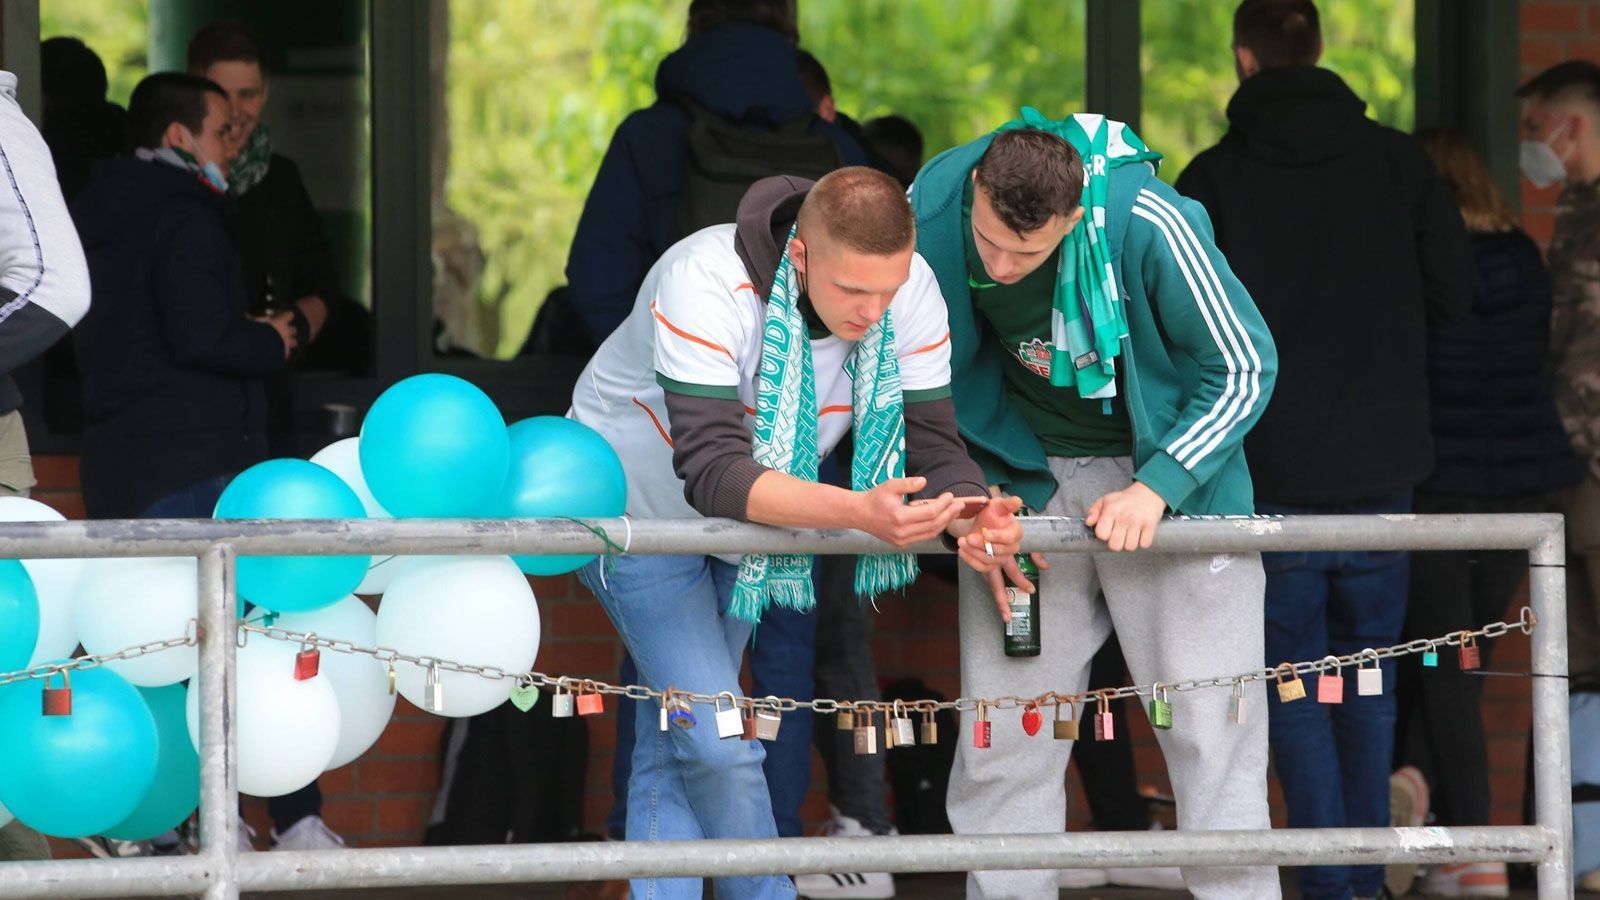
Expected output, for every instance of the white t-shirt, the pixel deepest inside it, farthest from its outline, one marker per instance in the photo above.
(696, 326)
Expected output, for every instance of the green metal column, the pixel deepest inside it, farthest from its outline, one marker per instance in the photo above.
(1466, 71)
(1112, 59)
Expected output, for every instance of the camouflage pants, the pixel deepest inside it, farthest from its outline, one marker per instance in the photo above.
(1581, 506)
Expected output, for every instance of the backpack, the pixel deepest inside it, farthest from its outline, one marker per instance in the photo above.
(725, 158)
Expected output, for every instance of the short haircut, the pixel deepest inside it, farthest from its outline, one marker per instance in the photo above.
(1576, 79)
(1279, 32)
(164, 98)
(222, 42)
(898, 142)
(860, 209)
(813, 77)
(778, 15)
(1030, 177)
(71, 74)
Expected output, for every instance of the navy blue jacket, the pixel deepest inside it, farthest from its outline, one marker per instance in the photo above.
(1495, 427)
(171, 364)
(743, 73)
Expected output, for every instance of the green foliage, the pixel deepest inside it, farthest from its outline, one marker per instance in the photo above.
(1187, 63)
(118, 30)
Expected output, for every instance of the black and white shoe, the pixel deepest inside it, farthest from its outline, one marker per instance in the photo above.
(845, 885)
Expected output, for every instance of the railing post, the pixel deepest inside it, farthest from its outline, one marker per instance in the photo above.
(219, 785)
(1552, 735)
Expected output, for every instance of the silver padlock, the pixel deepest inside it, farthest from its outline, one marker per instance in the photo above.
(1238, 712)
(904, 734)
(561, 701)
(729, 722)
(433, 690)
(768, 719)
(1369, 682)
(866, 733)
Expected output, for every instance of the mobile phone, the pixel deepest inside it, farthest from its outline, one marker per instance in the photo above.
(970, 506)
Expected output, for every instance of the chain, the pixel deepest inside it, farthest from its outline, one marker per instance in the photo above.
(564, 683)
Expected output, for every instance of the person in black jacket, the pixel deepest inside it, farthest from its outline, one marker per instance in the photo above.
(1351, 246)
(171, 364)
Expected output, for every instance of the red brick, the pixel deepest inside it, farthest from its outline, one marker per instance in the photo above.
(398, 775)
(587, 658)
(552, 587)
(1561, 18)
(348, 815)
(403, 817)
(922, 654)
(411, 736)
(1541, 226)
(1537, 54)
(584, 619)
(1588, 49)
(338, 781)
(56, 473)
(1594, 19)
(68, 503)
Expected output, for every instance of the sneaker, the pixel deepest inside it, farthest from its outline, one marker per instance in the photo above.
(247, 838)
(111, 848)
(1477, 879)
(1408, 808)
(310, 833)
(846, 885)
(1156, 878)
(1082, 879)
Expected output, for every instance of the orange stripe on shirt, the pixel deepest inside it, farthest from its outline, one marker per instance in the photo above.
(686, 335)
(745, 286)
(832, 409)
(654, 421)
(933, 346)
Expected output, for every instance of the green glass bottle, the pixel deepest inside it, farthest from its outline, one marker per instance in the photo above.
(1022, 632)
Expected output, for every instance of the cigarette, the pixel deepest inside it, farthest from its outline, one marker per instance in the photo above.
(987, 546)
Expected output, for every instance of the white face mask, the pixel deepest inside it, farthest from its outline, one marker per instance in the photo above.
(1540, 163)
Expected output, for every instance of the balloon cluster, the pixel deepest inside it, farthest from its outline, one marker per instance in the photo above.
(123, 763)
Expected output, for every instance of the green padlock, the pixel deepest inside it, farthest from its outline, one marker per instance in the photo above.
(1430, 657)
(1160, 709)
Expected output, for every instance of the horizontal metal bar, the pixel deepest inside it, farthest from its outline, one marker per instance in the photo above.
(435, 537)
(392, 867)
(150, 876)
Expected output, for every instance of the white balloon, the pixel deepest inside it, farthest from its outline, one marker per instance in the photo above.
(287, 729)
(344, 460)
(473, 610)
(360, 682)
(123, 602)
(54, 580)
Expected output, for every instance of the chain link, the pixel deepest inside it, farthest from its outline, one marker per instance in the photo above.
(565, 683)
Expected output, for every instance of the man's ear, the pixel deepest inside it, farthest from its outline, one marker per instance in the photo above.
(827, 110)
(1245, 63)
(1074, 218)
(177, 136)
(797, 254)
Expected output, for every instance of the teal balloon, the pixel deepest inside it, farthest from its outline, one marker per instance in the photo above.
(434, 446)
(560, 468)
(175, 792)
(78, 775)
(294, 489)
(19, 616)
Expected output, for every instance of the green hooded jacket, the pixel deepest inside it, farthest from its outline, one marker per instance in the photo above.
(1198, 361)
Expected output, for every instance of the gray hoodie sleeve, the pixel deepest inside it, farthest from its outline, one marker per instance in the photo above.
(44, 282)
(711, 452)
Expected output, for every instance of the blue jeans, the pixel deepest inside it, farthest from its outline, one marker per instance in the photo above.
(686, 783)
(197, 501)
(1334, 760)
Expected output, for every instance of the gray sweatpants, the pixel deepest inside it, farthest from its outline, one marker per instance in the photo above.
(1178, 618)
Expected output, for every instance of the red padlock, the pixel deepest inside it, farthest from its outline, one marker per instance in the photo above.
(590, 700)
(1032, 720)
(1105, 727)
(58, 701)
(1330, 684)
(983, 729)
(1470, 657)
(308, 661)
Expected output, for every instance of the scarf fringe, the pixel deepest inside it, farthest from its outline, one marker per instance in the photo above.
(883, 572)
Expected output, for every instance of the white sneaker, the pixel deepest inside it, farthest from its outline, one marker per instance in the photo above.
(1158, 878)
(846, 885)
(1082, 879)
(310, 833)
(247, 836)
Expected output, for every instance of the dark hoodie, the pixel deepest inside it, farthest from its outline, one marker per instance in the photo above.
(743, 73)
(1351, 246)
(171, 365)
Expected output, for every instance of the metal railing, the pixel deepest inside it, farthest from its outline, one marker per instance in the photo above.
(218, 871)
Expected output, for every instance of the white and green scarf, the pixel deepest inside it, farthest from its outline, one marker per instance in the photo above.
(786, 440)
(250, 166)
(1088, 322)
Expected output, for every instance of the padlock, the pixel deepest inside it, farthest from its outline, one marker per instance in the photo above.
(748, 720)
(845, 720)
(1238, 709)
(768, 719)
(930, 725)
(1294, 689)
(561, 705)
(1369, 682)
(1105, 726)
(1330, 684)
(1032, 720)
(590, 701)
(433, 690)
(308, 660)
(904, 733)
(524, 694)
(729, 723)
(391, 678)
(1470, 657)
(1430, 657)
(1160, 708)
(982, 728)
(866, 735)
(682, 713)
(1066, 729)
(58, 701)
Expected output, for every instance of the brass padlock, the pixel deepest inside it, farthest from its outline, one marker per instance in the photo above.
(1330, 684)
(1469, 655)
(866, 734)
(58, 701)
(768, 720)
(1066, 729)
(982, 729)
(845, 720)
(308, 661)
(1160, 708)
(1105, 727)
(1369, 682)
(904, 733)
(729, 723)
(679, 712)
(1292, 690)
(748, 720)
(930, 725)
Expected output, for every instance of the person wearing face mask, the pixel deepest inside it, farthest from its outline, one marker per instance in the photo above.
(171, 363)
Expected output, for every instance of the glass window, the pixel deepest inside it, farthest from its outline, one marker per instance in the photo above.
(1187, 64)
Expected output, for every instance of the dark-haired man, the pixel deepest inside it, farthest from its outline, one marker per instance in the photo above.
(1106, 365)
(1352, 246)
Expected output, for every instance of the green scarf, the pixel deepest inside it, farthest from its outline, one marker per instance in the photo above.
(786, 440)
(1088, 324)
(250, 166)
